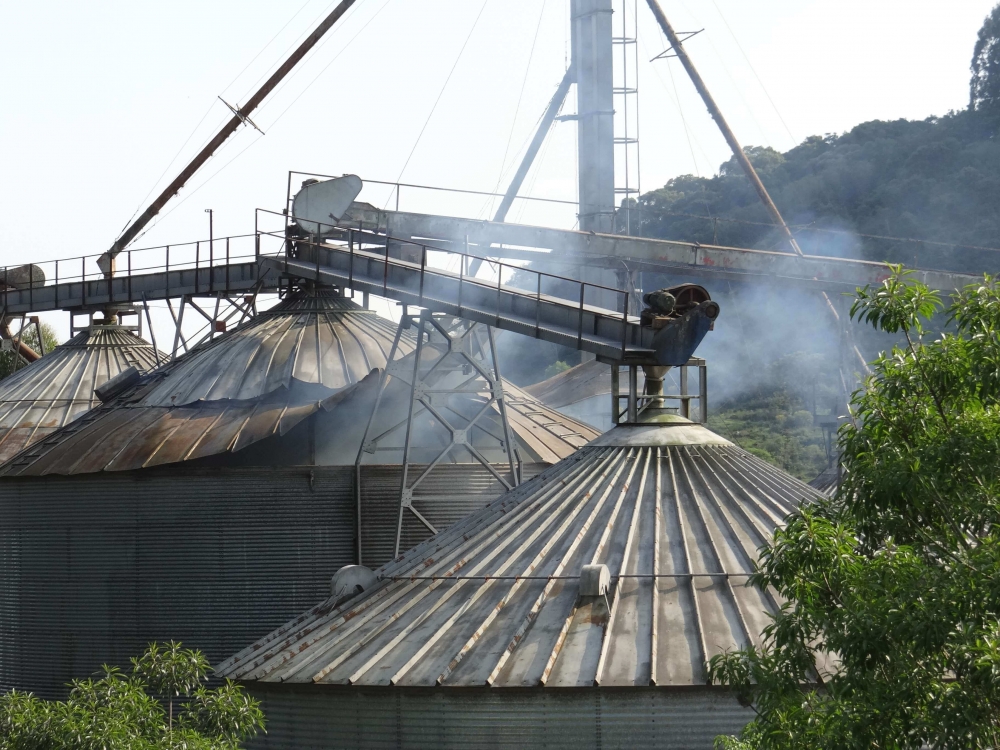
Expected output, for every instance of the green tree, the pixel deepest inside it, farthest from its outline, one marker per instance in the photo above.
(890, 634)
(984, 88)
(10, 362)
(136, 711)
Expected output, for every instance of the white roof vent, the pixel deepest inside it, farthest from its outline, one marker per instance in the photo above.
(594, 580)
(350, 581)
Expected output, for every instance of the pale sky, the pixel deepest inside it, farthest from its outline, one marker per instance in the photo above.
(98, 98)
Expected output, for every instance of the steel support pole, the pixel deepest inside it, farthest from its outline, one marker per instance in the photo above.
(734, 145)
(229, 128)
(727, 133)
(593, 62)
(536, 143)
(633, 394)
(615, 392)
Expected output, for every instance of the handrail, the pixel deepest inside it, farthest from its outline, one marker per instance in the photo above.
(378, 250)
(217, 252)
(385, 239)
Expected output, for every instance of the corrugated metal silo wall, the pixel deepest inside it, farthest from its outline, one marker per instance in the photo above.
(317, 716)
(96, 566)
(93, 567)
(449, 493)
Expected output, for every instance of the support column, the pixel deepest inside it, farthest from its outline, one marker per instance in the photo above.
(593, 62)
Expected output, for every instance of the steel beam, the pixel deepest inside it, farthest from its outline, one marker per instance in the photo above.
(593, 248)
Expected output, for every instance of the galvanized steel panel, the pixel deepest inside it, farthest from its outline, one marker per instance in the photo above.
(448, 495)
(95, 567)
(327, 717)
(58, 388)
(260, 380)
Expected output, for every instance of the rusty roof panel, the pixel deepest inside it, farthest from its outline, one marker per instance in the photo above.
(259, 380)
(58, 388)
(674, 512)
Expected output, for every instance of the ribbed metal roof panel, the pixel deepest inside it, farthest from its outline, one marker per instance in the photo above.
(306, 353)
(316, 338)
(59, 387)
(675, 513)
(585, 380)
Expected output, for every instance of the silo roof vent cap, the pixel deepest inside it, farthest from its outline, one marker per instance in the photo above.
(594, 580)
(350, 581)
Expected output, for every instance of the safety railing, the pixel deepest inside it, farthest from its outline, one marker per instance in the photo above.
(219, 252)
(439, 263)
(393, 193)
(636, 402)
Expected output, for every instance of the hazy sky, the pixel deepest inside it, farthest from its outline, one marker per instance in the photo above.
(98, 98)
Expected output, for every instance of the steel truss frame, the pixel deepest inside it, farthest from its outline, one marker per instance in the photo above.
(453, 358)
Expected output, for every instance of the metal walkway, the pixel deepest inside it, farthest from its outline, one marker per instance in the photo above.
(229, 265)
(558, 309)
(535, 304)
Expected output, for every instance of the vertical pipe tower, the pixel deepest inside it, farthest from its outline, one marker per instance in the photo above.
(591, 37)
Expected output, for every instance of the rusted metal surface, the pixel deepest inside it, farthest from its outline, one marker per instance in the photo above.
(26, 353)
(256, 381)
(523, 242)
(313, 352)
(58, 388)
(677, 514)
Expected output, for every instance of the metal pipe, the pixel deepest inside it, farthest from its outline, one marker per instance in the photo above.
(685, 403)
(703, 392)
(23, 350)
(727, 133)
(633, 394)
(615, 388)
(548, 118)
(229, 128)
(738, 152)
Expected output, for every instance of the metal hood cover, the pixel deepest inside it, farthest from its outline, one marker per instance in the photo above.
(674, 512)
(53, 391)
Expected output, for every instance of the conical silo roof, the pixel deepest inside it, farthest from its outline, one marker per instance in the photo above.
(314, 350)
(59, 387)
(674, 512)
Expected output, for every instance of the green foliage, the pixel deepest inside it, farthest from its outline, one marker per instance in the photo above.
(890, 635)
(774, 419)
(775, 424)
(115, 711)
(984, 88)
(935, 179)
(556, 367)
(11, 362)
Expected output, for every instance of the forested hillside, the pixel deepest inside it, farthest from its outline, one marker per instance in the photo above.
(922, 193)
(936, 179)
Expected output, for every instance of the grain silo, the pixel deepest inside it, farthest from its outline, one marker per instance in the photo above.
(576, 611)
(58, 388)
(210, 502)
